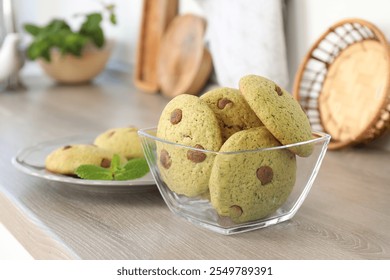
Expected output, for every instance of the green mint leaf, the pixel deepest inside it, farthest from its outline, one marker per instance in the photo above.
(32, 29)
(93, 172)
(91, 29)
(115, 163)
(133, 169)
(113, 19)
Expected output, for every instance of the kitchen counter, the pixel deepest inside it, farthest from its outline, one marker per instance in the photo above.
(345, 216)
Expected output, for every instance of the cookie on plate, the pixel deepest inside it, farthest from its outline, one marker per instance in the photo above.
(67, 159)
(279, 112)
(189, 121)
(248, 186)
(232, 111)
(123, 141)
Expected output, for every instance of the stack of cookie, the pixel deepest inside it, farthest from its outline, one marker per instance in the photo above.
(227, 128)
(122, 141)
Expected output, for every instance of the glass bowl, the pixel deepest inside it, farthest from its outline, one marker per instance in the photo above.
(200, 211)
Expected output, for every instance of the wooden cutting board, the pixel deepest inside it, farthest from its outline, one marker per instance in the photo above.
(184, 65)
(157, 14)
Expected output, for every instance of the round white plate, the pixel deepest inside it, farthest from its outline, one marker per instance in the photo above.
(31, 160)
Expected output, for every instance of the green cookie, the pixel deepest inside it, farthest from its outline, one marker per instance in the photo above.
(123, 141)
(279, 112)
(231, 110)
(247, 186)
(187, 120)
(65, 160)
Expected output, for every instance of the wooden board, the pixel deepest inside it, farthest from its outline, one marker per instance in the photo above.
(343, 83)
(184, 65)
(157, 14)
(353, 90)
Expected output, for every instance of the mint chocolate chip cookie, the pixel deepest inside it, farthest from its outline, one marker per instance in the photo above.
(250, 185)
(187, 120)
(123, 141)
(232, 111)
(279, 112)
(65, 160)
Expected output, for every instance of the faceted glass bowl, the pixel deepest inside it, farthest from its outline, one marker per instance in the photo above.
(199, 210)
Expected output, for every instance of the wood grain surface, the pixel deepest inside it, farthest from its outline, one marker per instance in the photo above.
(345, 216)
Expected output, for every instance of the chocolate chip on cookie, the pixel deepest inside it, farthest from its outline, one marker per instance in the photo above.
(176, 116)
(278, 90)
(235, 211)
(265, 174)
(196, 156)
(223, 102)
(165, 159)
(105, 163)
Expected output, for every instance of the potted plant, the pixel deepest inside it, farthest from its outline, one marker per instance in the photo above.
(70, 56)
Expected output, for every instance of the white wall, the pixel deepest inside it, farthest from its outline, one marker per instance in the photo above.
(308, 19)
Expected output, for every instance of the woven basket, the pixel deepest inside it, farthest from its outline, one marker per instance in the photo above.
(343, 83)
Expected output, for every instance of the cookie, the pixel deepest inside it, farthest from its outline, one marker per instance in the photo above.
(189, 121)
(66, 159)
(250, 185)
(123, 141)
(232, 111)
(279, 112)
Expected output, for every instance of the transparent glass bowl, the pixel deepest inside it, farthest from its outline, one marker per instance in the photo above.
(200, 211)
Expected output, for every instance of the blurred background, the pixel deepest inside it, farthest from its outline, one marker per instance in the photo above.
(269, 38)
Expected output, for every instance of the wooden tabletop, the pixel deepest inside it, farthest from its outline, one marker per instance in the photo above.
(345, 216)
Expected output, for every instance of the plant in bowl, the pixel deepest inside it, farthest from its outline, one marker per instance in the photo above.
(71, 56)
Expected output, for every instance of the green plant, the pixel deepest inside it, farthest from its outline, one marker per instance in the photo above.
(58, 34)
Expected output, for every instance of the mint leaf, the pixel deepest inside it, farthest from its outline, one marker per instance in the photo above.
(115, 163)
(93, 172)
(32, 29)
(91, 29)
(133, 169)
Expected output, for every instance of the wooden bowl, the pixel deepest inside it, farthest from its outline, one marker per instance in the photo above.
(70, 69)
(184, 65)
(343, 83)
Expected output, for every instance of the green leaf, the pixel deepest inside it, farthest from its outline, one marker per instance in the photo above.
(56, 25)
(133, 169)
(91, 29)
(93, 172)
(32, 29)
(113, 19)
(115, 163)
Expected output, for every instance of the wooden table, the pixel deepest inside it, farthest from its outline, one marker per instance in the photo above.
(346, 215)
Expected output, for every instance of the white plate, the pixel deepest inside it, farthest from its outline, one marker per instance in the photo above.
(31, 160)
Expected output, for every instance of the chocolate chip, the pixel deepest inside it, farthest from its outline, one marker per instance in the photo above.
(111, 134)
(278, 90)
(165, 159)
(105, 163)
(265, 174)
(176, 116)
(235, 211)
(67, 147)
(222, 103)
(196, 156)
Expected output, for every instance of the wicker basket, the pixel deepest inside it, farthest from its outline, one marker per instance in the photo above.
(343, 83)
